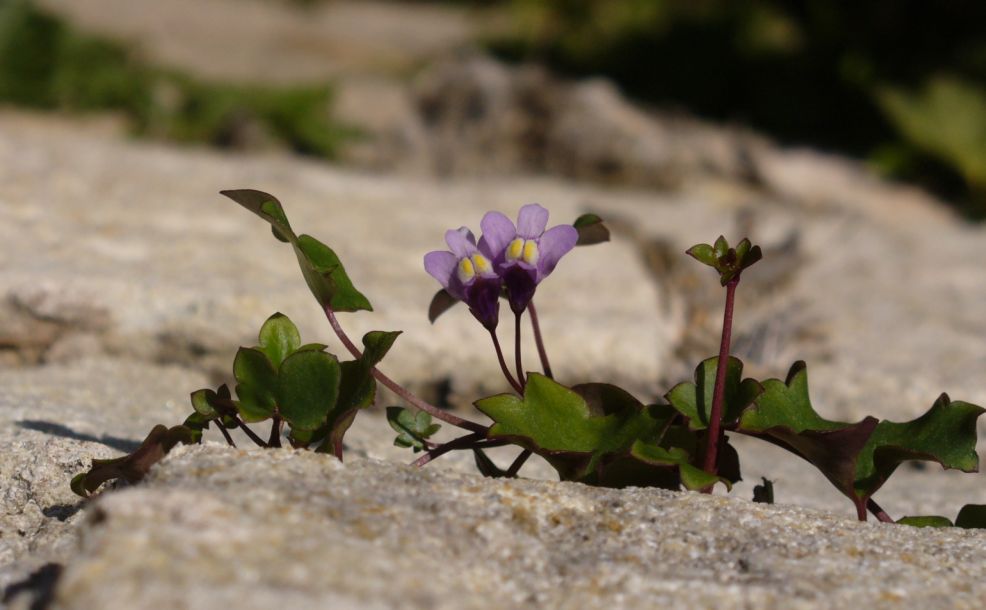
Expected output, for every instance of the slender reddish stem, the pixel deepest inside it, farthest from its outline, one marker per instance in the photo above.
(515, 467)
(503, 363)
(222, 428)
(542, 353)
(468, 441)
(275, 432)
(521, 377)
(878, 512)
(411, 399)
(710, 465)
(250, 433)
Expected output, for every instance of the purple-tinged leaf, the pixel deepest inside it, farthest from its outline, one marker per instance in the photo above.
(133, 467)
(972, 516)
(440, 303)
(591, 230)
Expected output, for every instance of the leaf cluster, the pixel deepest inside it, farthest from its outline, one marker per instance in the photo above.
(729, 262)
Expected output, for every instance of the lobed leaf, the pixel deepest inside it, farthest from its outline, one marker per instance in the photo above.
(858, 458)
(413, 427)
(594, 433)
(694, 399)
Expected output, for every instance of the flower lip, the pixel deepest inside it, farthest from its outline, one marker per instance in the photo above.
(467, 274)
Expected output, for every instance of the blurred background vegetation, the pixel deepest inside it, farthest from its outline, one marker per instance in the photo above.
(45, 63)
(900, 84)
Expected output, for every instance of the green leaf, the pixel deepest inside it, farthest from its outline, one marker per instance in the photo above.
(585, 432)
(972, 516)
(591, 230)
(267, 207)
(703, 253)
(720, 247)
(440, 303)
(413, 427)
(309, 387)
(946, 434)
(278, 338)
(202, 403)
(321, 268)
(357, 389)
(135, 466)
(925, 521)
(376, 344)
(858, 458)
(327, 278)
(692, 478)
(694, 400)
(258, 384)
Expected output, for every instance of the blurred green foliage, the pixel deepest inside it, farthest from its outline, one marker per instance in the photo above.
(44, 63)
(900, 82)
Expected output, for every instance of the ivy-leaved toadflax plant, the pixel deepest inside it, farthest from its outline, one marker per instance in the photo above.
(593, 433)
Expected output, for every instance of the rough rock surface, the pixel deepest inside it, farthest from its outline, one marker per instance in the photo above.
(216, 527)
(53, 421)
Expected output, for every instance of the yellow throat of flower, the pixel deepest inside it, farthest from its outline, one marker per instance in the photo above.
(470, 266)
(525, 250)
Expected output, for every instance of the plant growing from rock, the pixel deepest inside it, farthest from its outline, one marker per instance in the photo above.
(594, 433)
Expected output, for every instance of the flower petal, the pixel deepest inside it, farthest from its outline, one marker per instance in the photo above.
(440, 265)
(555, 243)
(531, 221)
(498, 232)
(461, 242)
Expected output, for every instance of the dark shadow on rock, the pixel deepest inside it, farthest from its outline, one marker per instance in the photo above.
(62, 511)
(39, 585)
(121, 444)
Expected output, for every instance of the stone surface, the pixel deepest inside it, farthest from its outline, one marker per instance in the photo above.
(53, 421)
(135, 254)
(216, 527)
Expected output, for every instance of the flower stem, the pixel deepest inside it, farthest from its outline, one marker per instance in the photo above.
(411, 399)
(503, 364)
(469, 441)
(542, 353)
(712, 441)
(517, 463)
(521, 377)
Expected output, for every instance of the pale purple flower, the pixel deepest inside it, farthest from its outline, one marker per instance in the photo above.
(468, 274)
(526, 254)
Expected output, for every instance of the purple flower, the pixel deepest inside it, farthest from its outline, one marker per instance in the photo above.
(526, 254)
(467, 273)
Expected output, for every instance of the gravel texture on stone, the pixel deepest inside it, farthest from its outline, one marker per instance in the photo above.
(53, 421)
(216, 527)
